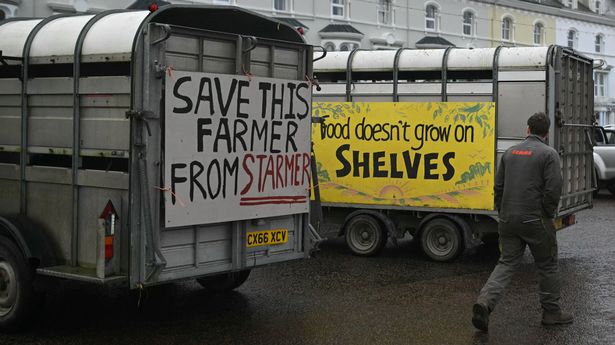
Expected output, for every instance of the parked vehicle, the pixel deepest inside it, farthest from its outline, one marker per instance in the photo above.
(412, 138)
(604, 159)
(142, 148)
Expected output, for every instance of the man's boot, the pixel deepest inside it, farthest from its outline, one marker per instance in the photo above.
(556, 318)
(480, 317)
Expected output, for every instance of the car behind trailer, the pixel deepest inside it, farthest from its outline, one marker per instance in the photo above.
(412, 138)
(142, 148)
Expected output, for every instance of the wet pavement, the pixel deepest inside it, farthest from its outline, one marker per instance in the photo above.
(399, 297)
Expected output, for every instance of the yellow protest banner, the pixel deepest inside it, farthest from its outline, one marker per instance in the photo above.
(436, 154)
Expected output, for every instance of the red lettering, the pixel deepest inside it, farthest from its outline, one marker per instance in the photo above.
(306, 165)
(246, 188)
(279, 179)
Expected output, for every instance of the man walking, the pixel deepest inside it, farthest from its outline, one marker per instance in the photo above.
(528, 186)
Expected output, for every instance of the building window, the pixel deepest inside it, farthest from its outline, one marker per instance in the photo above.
(468, 23)
(539, 30)
(281, 5)
(338, 8)
(329, 46)
(599, 44)
(597, 5)
(600, 79)
(572, 38)
(347, 46)
(507, 29)
(431, 18)
(222, 2)
(385, 12)
(2, 15)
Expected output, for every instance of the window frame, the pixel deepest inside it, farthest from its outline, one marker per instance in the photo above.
(433, 19)
(574, 38)
(599, 43)
(509, 29)
(340, 5)
(384, 7)
(538, 33)
(600, 83)
(469, 25)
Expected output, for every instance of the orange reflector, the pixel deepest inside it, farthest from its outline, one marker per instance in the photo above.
(108, 247)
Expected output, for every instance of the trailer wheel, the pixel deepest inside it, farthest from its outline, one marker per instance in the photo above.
(224, 282)
(611, 188)
(441, 240)
(16, 293)
(365, 236)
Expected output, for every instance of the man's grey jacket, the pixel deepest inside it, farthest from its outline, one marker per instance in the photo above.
(528, 183)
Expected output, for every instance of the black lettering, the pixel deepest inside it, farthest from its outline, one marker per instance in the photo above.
(430, 166)
(412, 167)
(209, 97)
(176, 179)
(339, 153)
(194, 181)
(265, 87)
(360, 164)
(225, 105)
(277, 102)
(184, 98)
(394, 172)
(213, 163)
(230, 170)
(450, 170)
(238, 134)
(223, 134)
(303, 100)
(261, 134)
(240, 100)
(378, 163)
(290, 133)
(201, 131)
(291, 88)
(274, 136)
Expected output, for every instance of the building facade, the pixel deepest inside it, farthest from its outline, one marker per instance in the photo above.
(587, 26)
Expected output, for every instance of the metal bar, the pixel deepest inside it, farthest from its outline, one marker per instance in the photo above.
(396, 73)
(349, 75)
(77, 131)
(444, 74)
(495, 96)
(23, 157)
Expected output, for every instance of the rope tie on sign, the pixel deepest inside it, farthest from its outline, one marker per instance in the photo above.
(246, 73)
(169, 71)
(168, 189)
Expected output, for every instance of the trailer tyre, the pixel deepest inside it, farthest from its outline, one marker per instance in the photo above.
(16, 292)
(441, 240)
(365, 236)
(611, 188)
(224, 282)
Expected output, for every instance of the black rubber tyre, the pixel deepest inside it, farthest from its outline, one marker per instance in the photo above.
(441, 240)
(224, 282)
(365, 236)
(611, 188)
(16, 293)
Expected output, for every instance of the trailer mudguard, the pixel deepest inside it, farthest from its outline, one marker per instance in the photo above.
(384, 219)
(29, 239)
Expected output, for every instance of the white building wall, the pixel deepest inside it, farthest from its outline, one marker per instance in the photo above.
(585, 44)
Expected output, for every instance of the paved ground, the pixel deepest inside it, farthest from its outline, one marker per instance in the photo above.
(397, 298)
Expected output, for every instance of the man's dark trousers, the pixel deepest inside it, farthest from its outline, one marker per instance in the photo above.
(515, 234)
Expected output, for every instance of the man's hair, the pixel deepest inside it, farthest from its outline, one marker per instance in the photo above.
(539, 124)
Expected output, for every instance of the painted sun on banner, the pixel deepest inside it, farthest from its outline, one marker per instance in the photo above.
(436, 154)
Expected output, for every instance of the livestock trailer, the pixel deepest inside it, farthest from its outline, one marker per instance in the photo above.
(140, 148)
(412, 138)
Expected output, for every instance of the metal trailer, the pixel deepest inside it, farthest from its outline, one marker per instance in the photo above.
(521, 81)
(83, 134)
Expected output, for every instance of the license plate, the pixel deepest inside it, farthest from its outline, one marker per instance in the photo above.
(267, 237)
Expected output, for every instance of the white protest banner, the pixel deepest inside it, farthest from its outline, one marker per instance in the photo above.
(236, 147)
